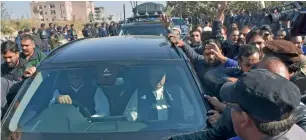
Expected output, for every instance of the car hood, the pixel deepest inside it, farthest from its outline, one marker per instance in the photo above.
(147, 135)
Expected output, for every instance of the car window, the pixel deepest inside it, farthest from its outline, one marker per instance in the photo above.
(144, 96)
(144, 30)
(178, 21)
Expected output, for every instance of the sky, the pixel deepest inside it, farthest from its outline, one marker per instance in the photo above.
(17, 9)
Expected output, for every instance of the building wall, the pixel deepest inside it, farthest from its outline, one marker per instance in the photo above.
(51, 10)
(62, 10)
(81, 10)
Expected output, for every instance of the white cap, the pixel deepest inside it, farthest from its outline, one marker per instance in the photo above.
(177, 30)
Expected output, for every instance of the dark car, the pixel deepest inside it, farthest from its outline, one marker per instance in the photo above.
(144, 28)
(127, 72)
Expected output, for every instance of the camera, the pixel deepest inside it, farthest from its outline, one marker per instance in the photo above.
(295, 14)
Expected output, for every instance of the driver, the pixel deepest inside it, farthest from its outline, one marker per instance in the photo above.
(85, 93)
(158, 100)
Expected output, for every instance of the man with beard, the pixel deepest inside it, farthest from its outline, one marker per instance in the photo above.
(247, 57)
(209, 60)
(13, 67)
(29, 52)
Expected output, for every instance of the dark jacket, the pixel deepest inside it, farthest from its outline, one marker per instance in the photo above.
(224, 128)
(200, 64)
(95, 32)
(103, 32)
(37, 40)
(229, 49)
(9, 89)
(15, 74)
(215, 78)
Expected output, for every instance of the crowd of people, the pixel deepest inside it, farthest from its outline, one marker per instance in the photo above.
(251, 75)
(48, 38)
(254, 80)
(22, 55)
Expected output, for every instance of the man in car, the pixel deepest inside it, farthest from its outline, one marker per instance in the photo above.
(13, 67)
(83, 91)
(29, 52)
(157, 100)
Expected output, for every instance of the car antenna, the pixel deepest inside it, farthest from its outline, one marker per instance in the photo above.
(155, 13)
(147, 14)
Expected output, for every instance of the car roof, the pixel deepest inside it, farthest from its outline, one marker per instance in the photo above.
(176, 18)
(137, 47)
(143, 23)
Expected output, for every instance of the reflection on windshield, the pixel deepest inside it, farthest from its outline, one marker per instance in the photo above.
(146, 30)
(109, 98)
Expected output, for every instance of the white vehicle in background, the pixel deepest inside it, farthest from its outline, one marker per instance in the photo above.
(181, 24)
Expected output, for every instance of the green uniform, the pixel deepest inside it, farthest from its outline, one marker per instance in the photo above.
(35, 58)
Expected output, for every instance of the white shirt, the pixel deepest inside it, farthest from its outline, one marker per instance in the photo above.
(131, 110)
(101, 102)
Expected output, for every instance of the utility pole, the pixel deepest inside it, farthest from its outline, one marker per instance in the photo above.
(180, 14)
(124, 12)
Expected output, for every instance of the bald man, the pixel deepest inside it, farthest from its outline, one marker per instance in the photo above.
(275, 65)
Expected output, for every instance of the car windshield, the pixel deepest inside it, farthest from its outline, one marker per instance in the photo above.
(178, 21)
(144, 30)
(109, 97)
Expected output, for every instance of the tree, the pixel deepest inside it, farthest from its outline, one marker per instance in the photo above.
(6, 28)
(209, 7)
(4, 12)
(110, 17)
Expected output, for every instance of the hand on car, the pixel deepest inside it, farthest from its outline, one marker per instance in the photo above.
(232, 79)
(213, 117)
(29, 72)
(64, 99)
(216, 103)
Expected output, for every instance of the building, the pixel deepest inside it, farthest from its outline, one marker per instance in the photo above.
(61, 10)
(82, 9)
(99, 14)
